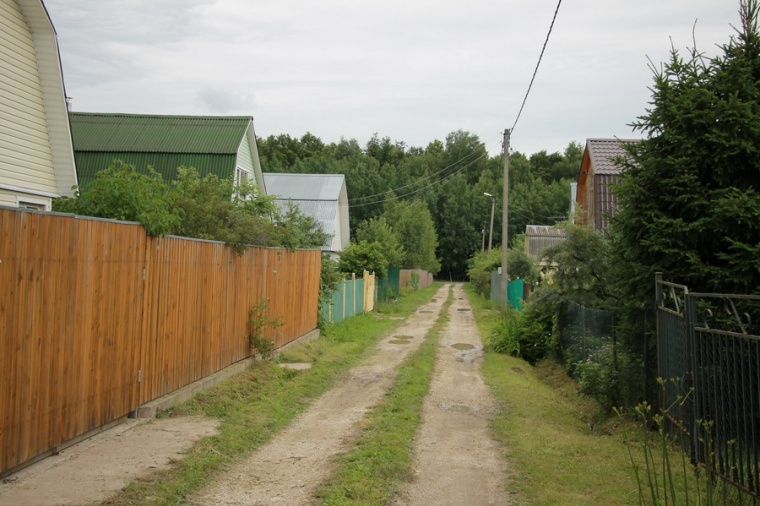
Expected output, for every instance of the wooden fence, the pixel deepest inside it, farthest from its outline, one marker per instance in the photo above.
(406, 276)
(97, 318)
(351, 297)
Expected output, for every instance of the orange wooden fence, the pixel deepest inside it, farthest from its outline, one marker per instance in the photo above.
(425, 279)
(97, 318)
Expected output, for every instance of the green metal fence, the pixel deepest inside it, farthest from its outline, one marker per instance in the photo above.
(346, 301)
(709, 353)
(582, 331)
(515, 290)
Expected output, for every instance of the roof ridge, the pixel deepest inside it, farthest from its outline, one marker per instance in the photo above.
(165, 116)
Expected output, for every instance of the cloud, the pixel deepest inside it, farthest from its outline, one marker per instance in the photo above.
(220, 102)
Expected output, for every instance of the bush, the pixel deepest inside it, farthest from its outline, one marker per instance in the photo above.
(611, 376)
(122, 193)
(520, 335)
(481, 266)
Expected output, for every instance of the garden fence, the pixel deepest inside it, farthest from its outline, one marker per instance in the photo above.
(97, 318)
(709, 356)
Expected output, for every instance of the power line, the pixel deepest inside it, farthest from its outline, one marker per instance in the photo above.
(537, 65)
(429, 176)
(433, 183)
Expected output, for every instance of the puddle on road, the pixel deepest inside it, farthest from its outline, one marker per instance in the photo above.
(462, 346)
(400, 340)
(463, 309)
(425, 311)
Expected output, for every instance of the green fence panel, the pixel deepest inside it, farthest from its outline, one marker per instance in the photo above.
(347, 301)
(359, 291)
(515, 290)
(388, 287)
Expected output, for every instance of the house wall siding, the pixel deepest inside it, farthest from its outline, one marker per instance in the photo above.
(244, 158)
(25, 154)
(7, 198)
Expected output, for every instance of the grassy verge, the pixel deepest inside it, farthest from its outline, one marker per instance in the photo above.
(257, 404)
(562, 450)
(371, 472)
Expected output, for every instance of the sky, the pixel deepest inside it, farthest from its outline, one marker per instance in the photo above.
(410, 70)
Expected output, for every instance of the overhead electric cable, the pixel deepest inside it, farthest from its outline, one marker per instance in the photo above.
(537, 65)
(383, 200)
(429, 176)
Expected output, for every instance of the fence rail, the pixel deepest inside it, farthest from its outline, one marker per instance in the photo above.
(709, 353)
(97, 318)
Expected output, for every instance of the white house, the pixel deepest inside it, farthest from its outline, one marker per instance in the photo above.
(36, 155)
(321, 196)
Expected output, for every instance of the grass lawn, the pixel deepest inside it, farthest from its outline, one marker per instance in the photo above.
(561, 449)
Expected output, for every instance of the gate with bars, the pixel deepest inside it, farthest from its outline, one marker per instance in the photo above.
(708, 347)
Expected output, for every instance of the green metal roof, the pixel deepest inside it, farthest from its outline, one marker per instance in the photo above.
(157, 134)
(208, 143)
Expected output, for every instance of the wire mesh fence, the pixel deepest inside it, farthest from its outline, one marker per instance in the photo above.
(583, 331)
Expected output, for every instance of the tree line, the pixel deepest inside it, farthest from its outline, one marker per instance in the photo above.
(446, 179)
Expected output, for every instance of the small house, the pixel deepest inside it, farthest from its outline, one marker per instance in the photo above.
(220, 145)
(36, 158)
(598, 174)
(320, 196)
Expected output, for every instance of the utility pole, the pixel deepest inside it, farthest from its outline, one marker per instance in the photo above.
(490, 234)
(505, 220)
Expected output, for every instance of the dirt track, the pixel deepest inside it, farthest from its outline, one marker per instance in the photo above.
(456, 462)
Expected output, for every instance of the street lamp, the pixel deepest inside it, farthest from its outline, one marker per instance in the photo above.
(490, 234)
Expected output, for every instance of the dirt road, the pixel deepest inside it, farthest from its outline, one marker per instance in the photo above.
(290, 467)
(456, 462)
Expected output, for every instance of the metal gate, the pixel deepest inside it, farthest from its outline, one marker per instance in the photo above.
(708, 348)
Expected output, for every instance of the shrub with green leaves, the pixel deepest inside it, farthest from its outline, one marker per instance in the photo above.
(122, 193)
(609, 375)
(520, 335)
(363, 256)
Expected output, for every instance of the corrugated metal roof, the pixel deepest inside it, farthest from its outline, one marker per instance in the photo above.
(324, 211)
(304, 186)
(316, 195)
(603, 153)
(157, 134)
(540, 237)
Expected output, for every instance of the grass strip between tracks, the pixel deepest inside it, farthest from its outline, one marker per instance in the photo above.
(372, 471)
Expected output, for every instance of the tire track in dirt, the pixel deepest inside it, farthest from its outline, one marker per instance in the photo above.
(289, 468)
(456, 460)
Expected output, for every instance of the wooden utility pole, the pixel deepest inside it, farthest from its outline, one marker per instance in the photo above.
(505, 220)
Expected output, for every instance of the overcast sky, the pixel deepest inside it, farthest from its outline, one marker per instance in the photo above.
(411, 70)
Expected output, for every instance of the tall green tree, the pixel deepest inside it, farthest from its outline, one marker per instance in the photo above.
(689, 200)
(377, 231)
(414, 227)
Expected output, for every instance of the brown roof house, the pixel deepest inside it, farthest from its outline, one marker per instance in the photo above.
(598, 174)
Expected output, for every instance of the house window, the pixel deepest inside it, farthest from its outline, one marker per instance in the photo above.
(241, 176)
(33, 203)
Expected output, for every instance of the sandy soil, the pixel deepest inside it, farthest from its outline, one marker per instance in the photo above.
(456, 462)
(94, 469)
